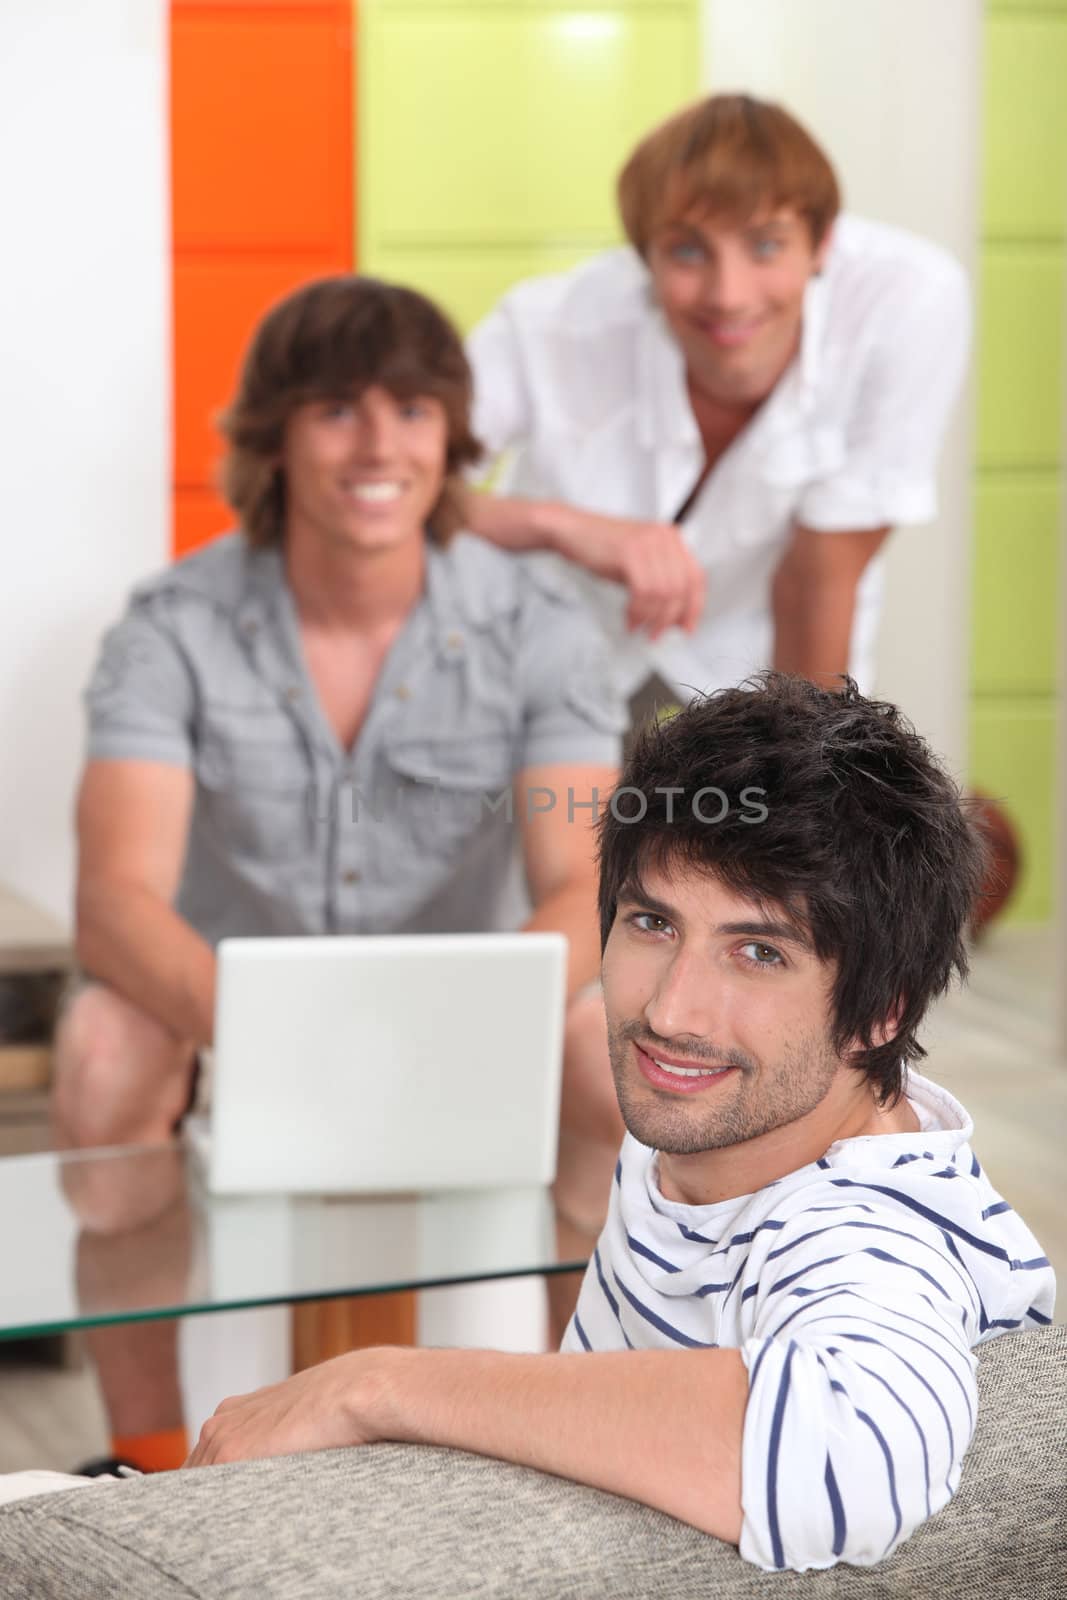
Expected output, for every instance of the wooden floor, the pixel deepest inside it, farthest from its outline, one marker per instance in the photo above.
(994, 1046)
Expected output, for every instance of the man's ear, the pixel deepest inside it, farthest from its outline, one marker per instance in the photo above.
(886, 1031)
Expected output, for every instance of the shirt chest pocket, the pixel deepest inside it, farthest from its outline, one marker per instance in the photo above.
(765, 499)
(444, 790)
(253, 782)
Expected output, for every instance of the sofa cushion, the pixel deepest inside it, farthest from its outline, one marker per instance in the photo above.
(428, 1524)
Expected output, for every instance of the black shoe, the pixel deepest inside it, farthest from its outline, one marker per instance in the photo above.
(108, 1467)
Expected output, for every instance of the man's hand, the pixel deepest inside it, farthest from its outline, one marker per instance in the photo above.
(329, 1405)
(665, 580)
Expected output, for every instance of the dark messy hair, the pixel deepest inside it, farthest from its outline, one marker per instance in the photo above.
(839, 814)
(329, 340)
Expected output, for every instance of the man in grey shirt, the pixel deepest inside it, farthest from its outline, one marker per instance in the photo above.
(329, 721)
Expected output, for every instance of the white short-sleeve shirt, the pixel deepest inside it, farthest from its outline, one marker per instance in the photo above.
(578, 377)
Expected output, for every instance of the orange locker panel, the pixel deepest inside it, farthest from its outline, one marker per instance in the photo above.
(261, 121)
(217, 303)
(262, 165)
(200, 515)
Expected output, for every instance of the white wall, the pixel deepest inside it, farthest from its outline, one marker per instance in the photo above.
(84, 357)
(891, 88)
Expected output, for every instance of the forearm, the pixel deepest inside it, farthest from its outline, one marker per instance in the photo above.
(511, 522)
(661, 1427)
(571, 910)
(813, 625)
(130, 938)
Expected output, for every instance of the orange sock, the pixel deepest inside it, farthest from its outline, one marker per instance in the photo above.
(152, 1452)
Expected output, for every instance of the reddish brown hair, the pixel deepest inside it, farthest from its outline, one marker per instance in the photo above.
(730, 157)
(330, 340)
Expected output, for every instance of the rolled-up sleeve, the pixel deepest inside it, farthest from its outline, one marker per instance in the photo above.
(141, 696)
(573, 712)
(911, 380)
(862, 1399)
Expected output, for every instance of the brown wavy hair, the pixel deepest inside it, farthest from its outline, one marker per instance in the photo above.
(730, 157)
(330, 340)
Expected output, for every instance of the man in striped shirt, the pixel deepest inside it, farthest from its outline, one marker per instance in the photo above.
(774, 1338)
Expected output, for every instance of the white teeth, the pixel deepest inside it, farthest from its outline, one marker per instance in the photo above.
(376, 492)
(690, 1072)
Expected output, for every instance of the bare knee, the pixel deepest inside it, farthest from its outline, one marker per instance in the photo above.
(120, 1076)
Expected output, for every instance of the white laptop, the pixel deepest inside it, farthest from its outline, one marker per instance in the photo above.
(371, 1065)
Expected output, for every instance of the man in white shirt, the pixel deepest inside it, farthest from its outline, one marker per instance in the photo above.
(774, 1336)
(718, 425)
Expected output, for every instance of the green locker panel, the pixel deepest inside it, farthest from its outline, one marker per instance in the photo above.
(508, 122)
(466, 283)
(1020, 345)
(1013, 759)
(1016, 585)
(1024, 156)
(1029, 8)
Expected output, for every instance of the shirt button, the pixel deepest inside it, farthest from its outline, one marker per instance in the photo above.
(351, 876)
(402, 692)
(455, 641)
(292, 694)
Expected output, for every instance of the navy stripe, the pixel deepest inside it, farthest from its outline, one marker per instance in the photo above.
(877, 1376)
(580, 1331)
(832, 1350)
(783, 1283)
(1039, 1317)
(656, 1321)
(892, 1475)
(822, 1162)
(773, 1446)
(772, 1223)
(866, 1338)
(944, 1223)
(609, 1297)
(754, 1374)
(884, 1344)
(650, 1255)
(837, 1508)
(868, 1250)
(976, 1171)
(848, 1205)
(618, 1172)
(995, 1211)
(877, 1227)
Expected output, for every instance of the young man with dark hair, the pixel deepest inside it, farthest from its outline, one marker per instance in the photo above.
(774, 1337)
(326, 722)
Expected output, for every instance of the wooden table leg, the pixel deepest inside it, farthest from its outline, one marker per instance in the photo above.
(326, 1328)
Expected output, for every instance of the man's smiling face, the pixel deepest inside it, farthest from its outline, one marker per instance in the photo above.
(719, 1026)
(733, 296)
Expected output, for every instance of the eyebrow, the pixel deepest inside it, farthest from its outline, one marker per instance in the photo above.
(783, 932)
(757, 928)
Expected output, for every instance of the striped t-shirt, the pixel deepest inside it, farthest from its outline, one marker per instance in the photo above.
(854, 1290)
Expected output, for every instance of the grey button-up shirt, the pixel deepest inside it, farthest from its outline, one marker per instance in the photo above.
(413, 829)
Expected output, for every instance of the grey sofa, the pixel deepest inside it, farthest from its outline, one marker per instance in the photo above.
(396, 1521)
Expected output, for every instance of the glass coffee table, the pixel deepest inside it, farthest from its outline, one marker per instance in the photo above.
(93, 1238)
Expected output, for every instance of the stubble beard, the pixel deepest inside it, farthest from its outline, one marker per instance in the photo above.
(758, 1098)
